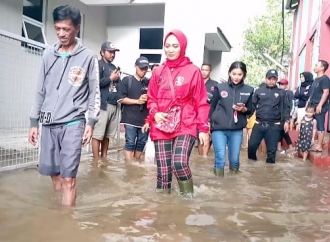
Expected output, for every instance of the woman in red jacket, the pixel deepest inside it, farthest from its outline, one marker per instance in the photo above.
(177, 103)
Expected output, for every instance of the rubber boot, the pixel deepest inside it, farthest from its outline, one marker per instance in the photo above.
(234, 170)
(220, 172)
(186, 188)
(163, 191)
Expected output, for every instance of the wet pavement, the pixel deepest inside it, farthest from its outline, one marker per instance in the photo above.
(289, 201)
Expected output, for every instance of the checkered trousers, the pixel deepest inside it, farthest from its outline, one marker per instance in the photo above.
(173, 157)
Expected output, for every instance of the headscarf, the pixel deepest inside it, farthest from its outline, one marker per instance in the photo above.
(308, 79)
(182, 60)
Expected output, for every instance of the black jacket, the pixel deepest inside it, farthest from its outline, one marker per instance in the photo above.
(224, 97)
(271, 104)
(105, 70)
(303, 91)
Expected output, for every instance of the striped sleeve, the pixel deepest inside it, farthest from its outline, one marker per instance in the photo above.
(94, 92)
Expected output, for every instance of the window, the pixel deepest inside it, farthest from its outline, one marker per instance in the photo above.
(151, 44)
(32, 25)
(151, 38)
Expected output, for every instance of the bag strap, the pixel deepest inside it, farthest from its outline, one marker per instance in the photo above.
(130, 80)
(170, 80)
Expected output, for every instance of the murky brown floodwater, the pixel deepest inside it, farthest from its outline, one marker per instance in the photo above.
(289, 201)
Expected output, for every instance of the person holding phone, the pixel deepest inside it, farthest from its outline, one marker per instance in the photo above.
(231, 103)
(106, 127)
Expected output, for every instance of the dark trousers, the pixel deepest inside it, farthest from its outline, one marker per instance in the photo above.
(284, 135)
(271, 133)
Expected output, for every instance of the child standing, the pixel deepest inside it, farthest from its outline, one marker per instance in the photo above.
(307, 131)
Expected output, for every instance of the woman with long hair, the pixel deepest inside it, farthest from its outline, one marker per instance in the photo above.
(231, 103)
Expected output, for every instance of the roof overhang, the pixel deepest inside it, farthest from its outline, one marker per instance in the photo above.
(217, 41)
(292, 4)
(121, 2)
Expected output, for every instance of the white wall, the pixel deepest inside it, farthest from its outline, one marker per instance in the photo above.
(187, 17)
(213, 58)
(141, 15)
(11, 15)
(124, 23)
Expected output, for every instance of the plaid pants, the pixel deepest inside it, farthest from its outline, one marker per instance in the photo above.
(173, 156)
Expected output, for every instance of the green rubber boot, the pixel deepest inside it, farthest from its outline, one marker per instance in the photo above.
(234, 170)
(163, 191)
(186, 188)
(219, 172)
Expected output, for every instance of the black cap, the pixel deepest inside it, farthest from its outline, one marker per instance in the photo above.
(142, 62)
(272, 73)
(109, 46)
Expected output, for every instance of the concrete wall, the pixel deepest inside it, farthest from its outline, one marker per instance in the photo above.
(213, 58)
(124, 23)
(310, 40)
(11, 16)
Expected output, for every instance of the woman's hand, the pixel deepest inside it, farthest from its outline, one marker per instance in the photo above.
(240, 108)
(160, 117)
(204, 138)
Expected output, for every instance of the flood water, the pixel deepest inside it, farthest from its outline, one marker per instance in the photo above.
(289, 201)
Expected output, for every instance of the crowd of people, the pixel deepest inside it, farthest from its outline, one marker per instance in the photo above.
(176, 106)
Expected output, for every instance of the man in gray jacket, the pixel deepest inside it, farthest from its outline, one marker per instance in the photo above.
(67, 87)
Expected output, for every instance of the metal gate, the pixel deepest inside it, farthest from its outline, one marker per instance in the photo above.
(20, 61)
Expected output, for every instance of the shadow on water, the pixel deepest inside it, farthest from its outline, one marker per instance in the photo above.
(288, 201)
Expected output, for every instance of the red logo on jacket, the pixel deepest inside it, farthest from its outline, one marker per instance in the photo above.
(224, 94)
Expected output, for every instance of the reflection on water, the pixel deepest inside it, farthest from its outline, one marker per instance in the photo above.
(288, 201)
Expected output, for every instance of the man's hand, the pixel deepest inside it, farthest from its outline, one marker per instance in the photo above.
(318, 109)
(143, 99)
(33, 136)
(204, 138)
(145, 128)
(88, 133)
(115, 75)
(286, 127)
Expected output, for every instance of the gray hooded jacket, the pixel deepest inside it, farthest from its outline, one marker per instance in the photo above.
(67, 87)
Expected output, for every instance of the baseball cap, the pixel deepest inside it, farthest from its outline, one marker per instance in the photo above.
(272, 73)
(284, 81)
(109, 46)
(142, 62)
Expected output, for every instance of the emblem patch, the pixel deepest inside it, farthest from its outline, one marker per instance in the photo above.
(212, 89)
(76, 76)
(224, 94)
(179, 81)
(276, 95)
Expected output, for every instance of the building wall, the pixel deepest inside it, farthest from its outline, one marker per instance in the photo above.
(11, 16)
(325, 33)
(124, 23)
(306, 40)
